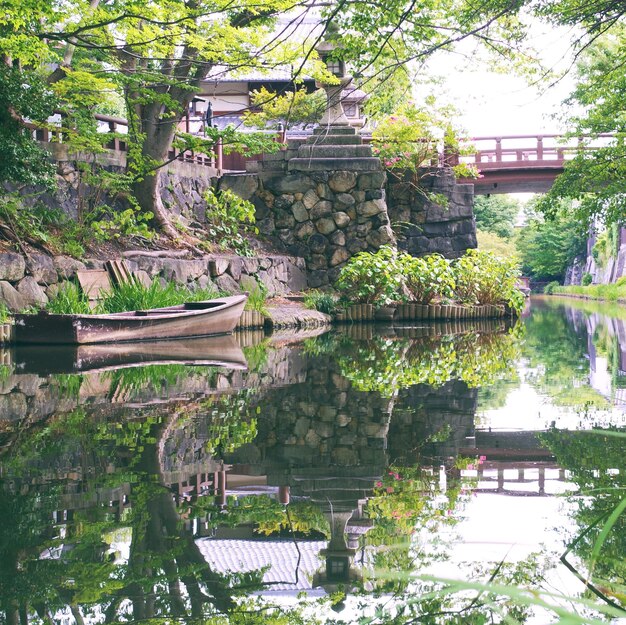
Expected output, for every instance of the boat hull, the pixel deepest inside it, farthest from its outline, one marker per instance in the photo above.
(217, 351)
(219, 316)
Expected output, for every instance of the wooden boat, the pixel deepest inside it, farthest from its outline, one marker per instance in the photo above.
(217, 351)
(217, 316)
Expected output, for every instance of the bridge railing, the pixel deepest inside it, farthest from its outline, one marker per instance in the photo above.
(526, 151)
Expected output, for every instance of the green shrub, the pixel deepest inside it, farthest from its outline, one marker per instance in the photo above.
(621, 281)
(549, 289)
(322, 301)
(428, 277)
(587, 279)
(372, 278)
(482, 278)
(69, 300)
(229, 218)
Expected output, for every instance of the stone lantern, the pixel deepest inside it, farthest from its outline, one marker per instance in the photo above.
(334, 114)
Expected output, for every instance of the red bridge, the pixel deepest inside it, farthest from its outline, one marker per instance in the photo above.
(522, 163)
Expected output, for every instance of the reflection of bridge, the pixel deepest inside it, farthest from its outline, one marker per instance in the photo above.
(522, 163)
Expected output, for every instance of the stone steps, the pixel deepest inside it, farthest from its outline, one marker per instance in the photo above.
(334, 151)
(333, 140)
(334, 130)
(335, 164)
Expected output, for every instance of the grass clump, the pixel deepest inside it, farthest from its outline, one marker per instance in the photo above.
(133, 295)
(609, 292)
(322, 301)
(257, 299)
(5, 314)
(69, 300)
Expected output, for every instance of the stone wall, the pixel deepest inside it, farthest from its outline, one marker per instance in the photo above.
(427, 227)
(27, 281)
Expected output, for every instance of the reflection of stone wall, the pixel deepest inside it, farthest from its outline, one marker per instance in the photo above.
(423, 413)
(432, 228)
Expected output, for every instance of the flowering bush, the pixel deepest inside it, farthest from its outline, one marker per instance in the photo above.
(419, 137)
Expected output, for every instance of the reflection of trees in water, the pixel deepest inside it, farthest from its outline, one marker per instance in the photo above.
(597, 466)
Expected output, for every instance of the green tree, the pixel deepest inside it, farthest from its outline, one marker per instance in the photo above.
(547, 246)
(595, 178)
(496, 214)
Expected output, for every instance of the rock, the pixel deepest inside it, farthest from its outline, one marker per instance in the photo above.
(317, 243)
(327, 413)
(218, 266)
(310, 199)
(226, 283)
(32, 293)
(326, 225)
(341, 219)
(299, 212)
(12, 266)
(41, 267)
(289, 183)
(371, 208)
(234, 268)
(250, 265)
(13, 407)
(345, 199)
(340, 255)
(302, 427)
(379, 237)
(338, 238)
(321, 209)
(345, 456)
(248, 283)
(244, 185)
(182, 271)
(342, 181)
(304, 230)
(312, 439)
(67, 267)
(323, 190)
(13, 300)
(285, 220)
(374, 180)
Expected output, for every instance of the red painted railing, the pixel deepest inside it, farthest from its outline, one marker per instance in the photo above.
(527, 151)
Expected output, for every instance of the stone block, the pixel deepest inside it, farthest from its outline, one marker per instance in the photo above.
(32, 292)
(289, 183)
(325, 225)
(227, 283)
(284, 220)
(41, 267)
(183, 271)
(299, 212)
(344, 200)
(67, 267)
(12, 266)
(339, 255)
(13, 407)
(341, 219)
(250, 265)
(304, 230)
(218, 266)
(371, 208)
(310, 199)
(234, 267)
(321, 209)
(244, 185)
(12, 299)
(381, 236)
(374, 180)
(338, 238)
(318, 243)
(342, 181)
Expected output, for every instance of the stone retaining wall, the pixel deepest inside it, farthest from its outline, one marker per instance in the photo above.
(426, 227)
(33, 280)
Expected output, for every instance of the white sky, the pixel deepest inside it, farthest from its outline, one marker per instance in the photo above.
(500, 104)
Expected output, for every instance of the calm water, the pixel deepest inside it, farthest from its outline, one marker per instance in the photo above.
(340, 477)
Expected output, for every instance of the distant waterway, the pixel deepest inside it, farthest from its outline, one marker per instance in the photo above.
(345, 475)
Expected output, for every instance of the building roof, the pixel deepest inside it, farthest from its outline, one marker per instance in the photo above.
(284, 572)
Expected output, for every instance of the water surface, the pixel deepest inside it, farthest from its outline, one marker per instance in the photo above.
(357, 468)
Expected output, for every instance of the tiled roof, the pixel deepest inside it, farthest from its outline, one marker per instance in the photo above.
(279, 556)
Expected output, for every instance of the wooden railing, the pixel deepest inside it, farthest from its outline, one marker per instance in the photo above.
(527, 151)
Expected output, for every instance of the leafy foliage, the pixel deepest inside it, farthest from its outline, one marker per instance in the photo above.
(548, 247)
(289, 108)
(320, 300)
(372, 278)
(428, 277)
(483, 278)
(496, 214)
(230, 218)
(24, 97)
